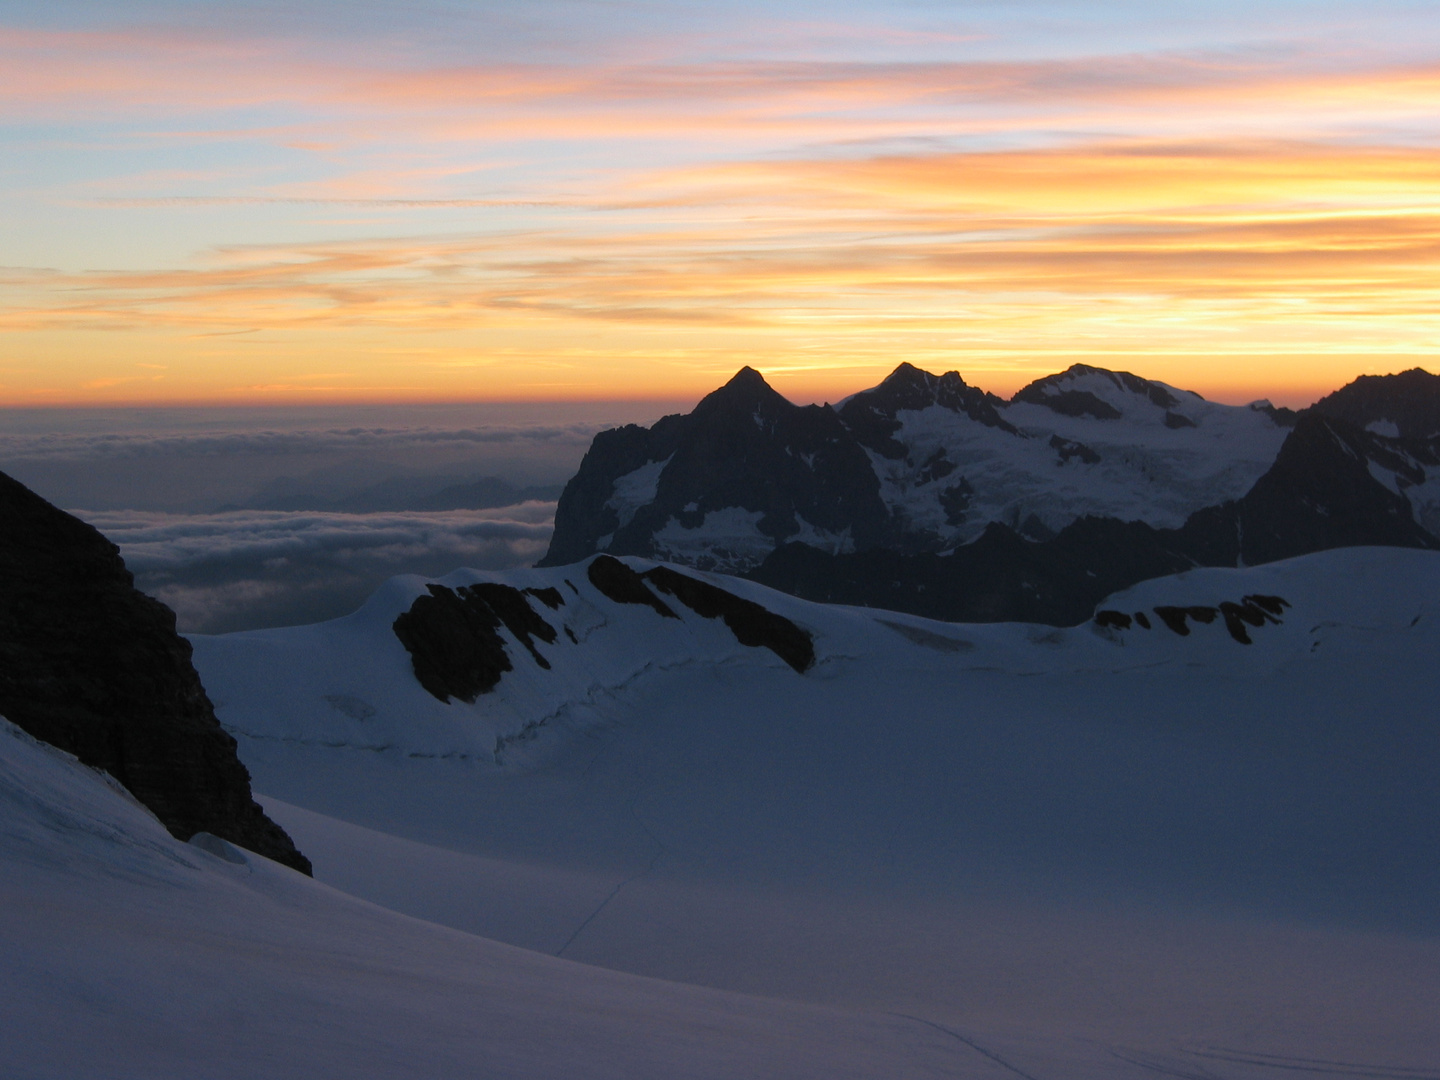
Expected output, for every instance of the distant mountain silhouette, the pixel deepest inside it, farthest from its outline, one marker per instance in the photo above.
(744, 450)
(928, 495)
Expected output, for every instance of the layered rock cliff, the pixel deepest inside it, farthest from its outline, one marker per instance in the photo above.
(95, 667)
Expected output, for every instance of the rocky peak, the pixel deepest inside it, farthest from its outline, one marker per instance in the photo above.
(1083, 390)
(745, 469)
(872, 415)
(1405, 405)
(747, 391)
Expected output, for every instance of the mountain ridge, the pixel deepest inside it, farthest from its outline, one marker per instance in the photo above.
(736, 486)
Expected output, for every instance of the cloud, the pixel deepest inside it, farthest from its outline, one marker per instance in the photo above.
(527, 208)
(82, 445)
(822, 238)
(247, 569)
(186, 71)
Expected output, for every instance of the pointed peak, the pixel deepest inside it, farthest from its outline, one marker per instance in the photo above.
(747, 376)
(906, 371)
(747, 389)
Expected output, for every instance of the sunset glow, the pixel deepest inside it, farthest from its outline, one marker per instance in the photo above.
(577, 202)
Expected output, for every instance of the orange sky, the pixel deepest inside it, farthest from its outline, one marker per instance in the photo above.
(250, 212)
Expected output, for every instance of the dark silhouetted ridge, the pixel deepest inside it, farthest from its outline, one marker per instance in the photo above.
(93, 666)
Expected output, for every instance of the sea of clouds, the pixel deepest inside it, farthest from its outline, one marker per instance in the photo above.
(249, 568)
(188, 495)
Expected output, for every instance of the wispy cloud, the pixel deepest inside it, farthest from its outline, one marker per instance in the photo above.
(653, 205)
(1136, 244)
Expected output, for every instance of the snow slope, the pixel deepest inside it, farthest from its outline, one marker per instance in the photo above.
(1142, 461)
(1133, 467)
(126, 954)
(1092, 852)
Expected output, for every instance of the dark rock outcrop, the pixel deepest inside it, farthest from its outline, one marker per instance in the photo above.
(625, 586)
(1174, 421)
(453, 636)
(1252, 611)
(752, 624)
(95, 667)
(1410, 400)
(1069, 448)
(457, 651)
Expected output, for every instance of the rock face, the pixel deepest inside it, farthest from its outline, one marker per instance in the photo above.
(1255, 610)
(1405, 405)
(453, 636)
(94, 667)
(919, 463)
(746, 470)
(1332, 485)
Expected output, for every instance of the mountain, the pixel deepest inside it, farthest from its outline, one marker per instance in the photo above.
(964, 506)
(93, 666)
(1098, 851)
(920, 463)
(721, 486)
(1405, 405)
(1332, 485)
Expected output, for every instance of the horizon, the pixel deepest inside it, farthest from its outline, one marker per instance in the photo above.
(243, 205)
(209, 410)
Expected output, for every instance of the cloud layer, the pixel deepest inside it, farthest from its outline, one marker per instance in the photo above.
(247, 569)
(373, 440)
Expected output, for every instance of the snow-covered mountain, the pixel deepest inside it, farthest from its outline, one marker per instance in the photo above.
(930, 496)
(1332, 485)
(1202, 846)
(918, 463)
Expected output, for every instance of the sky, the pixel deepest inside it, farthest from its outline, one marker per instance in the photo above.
(255, 203)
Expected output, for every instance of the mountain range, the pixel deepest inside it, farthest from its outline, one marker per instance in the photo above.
(928, 495)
